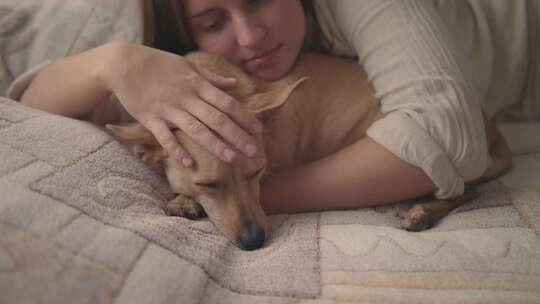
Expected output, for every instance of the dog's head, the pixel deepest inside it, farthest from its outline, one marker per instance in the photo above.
(228, 193)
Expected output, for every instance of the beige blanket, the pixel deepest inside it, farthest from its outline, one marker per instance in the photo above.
(80, 218)
(80, 222)
(35, 31)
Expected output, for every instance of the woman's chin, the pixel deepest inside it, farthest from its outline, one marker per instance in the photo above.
(272, 74)
(273, 67)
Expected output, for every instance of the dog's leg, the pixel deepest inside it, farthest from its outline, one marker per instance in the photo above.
(185, 207)
(424, 216)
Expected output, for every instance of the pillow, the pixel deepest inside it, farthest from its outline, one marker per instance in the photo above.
(34, 31)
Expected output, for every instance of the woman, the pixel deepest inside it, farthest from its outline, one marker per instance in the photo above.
(432, 138)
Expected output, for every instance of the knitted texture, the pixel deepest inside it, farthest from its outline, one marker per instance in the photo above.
(81, 222)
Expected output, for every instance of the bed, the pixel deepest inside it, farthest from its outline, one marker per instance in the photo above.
(81, 220)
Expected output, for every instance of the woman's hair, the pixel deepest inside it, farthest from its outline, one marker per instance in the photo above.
(170, 30)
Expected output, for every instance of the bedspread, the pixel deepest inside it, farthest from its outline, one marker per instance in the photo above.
(81, 222)
(81, 219)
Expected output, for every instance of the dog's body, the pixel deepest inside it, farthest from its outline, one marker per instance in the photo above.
(322, 106)
(327, 112)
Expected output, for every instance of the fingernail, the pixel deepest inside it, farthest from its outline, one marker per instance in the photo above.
(230, 80)
(251, 150)
(229, 154)
(188, 162)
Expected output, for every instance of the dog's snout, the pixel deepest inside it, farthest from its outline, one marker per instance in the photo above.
(251, 237)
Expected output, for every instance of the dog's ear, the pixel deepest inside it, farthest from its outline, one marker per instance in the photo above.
(140, 142)
(276, 97)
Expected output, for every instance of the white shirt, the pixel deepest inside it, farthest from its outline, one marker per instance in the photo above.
(432, 63)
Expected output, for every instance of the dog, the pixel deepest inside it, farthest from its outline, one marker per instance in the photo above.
(323, 105)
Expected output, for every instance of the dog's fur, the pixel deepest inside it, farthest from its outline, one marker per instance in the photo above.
(322, 106)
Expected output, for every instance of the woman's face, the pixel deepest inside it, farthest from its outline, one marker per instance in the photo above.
(263, 36)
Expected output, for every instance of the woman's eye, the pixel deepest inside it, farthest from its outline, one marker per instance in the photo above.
(213, 26)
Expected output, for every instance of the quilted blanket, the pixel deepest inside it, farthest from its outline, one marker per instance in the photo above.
(81, 219)
(34, 31)
(81, 222)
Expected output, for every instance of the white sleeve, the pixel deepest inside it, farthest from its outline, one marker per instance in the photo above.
(433, 116)
(17, 88)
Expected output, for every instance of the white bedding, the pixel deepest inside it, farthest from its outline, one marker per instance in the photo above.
(80, 221)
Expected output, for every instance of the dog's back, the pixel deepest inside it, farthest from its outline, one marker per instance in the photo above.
(332, 109)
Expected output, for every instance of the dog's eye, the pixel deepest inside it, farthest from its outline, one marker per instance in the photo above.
(209, 185)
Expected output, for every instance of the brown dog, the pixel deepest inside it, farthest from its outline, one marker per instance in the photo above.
(322, 106)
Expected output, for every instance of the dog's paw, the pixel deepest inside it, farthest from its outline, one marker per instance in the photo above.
(417, 219)
(185, 207)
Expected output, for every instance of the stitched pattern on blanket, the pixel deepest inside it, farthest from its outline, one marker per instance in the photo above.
(72, 186)
(80, 221)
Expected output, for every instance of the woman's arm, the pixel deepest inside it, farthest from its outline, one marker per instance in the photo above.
(159, 89)
(72, 86)
(361, 175)
(432, 137)
(425, 80)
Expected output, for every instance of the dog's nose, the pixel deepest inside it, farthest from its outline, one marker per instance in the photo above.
(251, 237)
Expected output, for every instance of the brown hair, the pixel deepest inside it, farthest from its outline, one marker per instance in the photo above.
(170, 32)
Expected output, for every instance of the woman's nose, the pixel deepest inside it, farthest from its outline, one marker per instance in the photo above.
(249, 33)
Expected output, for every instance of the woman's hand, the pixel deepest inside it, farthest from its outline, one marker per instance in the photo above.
(164, 91)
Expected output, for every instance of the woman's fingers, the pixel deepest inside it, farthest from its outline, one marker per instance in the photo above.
(220, 123)
(224, 102)
(201, 134)
(168, 141)
(185, 96)
(234, 109)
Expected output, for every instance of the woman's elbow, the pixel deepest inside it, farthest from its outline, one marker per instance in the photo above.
(472, 159)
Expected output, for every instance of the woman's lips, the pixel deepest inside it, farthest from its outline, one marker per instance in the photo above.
(262, 60)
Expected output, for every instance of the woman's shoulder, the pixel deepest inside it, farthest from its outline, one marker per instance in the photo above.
(340, 20)
(347, 23)
(340, 8)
